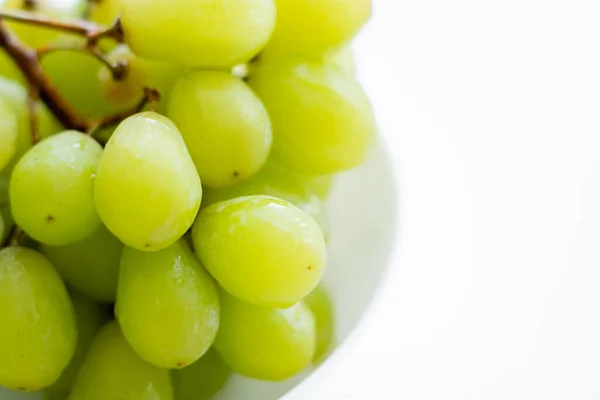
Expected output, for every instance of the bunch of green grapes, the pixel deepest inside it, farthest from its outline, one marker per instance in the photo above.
(184, 240)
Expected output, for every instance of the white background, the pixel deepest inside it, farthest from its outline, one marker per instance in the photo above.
(492, 111)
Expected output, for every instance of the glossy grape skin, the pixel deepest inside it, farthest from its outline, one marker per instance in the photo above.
(9, 130)
(201, 380)
(265, 343)
(91, 266)
(139, 74)
(60, 170)
(39, 334)
(199, 33)
(113, 371)
(262, 250)
(225, 126)
(147, 190)
(90, 318)
(322, 120)
(311, 27)
(319, 303)
(167, 305)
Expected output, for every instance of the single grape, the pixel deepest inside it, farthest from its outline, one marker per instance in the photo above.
(322, 120)
(51, 189)
(113, 371)
(225, 126)
(167, 305)
(91, 266)
(105, 12)
(36, 36)
(311, 27)
(90, 318)
(275, 180)
(265, 343)
(262, 250)
(199, 33)
(9, 131)
(319, 302)
(147, 189)
(139, 74)
(38, 335)
(201, 380)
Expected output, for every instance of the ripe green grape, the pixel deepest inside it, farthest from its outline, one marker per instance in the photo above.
(105, 12)
(139, 74)
(90, 318)
(225, 126)
(265, 343)
(38, 335)
(147, 190)
(311, 27)
(322, 120)
(201, 380)
(51, 189)
(262, 250)
(9, 131)
(199, 33)
(113, 371)
(91, 266)
(167, 305)
(275, 180)
(36, 36)
(319, 302)
(10, 70)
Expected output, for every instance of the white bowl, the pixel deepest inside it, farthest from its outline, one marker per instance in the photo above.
(363, 215)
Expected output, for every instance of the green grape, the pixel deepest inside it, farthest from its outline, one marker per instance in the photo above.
(75, 75)
(200, 33)
(311, 27)
(343, 58)
(139, 74)
(105, 12)
(113, 371)
(10, 70)
(90, 318)
(91, 266)
(51, 189)
(9, 131)
(265, 343)
(322, 120)
(201, 380)
(36, 36)
(167, 305)
(38, 335)
(147, 190)
(262, 250)
(225, 126)
(319, 302)
(275, 180)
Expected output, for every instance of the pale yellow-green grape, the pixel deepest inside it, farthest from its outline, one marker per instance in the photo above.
(139, 74)
(199, 33)
(147, 190)
(90, 318)
(91, 266)
(225, 126)
(311, 27)
(343, 58)
(10, 70)
(319, 302)
(167, 305)
(38, 335)
(9, 131)
(275, 180)
(35, 36)
(262, 250)
(75, 75)
(201, 380)
(265, 343)
(51, 189)
(105, 12)
(113, 371)
(322, 120)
